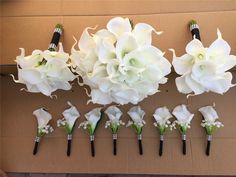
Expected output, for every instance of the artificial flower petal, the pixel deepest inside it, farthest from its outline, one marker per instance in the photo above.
(43, 117)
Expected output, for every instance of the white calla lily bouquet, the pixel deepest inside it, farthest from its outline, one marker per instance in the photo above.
(204, 69)
(45, 71)
(119, 63)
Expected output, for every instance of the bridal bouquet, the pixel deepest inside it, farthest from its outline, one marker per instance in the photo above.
(45, 71)
(204, 69)
(119, 63)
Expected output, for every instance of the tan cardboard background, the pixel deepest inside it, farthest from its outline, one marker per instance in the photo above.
(29, 23)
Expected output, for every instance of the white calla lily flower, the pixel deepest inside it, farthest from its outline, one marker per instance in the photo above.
(118, 26)
(183, 116)
(205, 69)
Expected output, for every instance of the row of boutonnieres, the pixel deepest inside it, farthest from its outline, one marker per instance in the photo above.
(162, 117)
(120, 64)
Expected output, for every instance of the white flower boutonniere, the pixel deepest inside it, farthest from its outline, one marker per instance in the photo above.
(204, 69)
(114, 123)
(137, 115)
(210, 123)
(68, 121)
(43, 118)
(162, 122)
(183, 121)
(119, 63)
(93, 117)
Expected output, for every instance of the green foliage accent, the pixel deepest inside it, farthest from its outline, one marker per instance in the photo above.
(183, 129)
(137, 129)
(40, 133)
(192, 22)
(114, 128)
(162, 129)
(131, 23)
(210, 129)
(59, 26)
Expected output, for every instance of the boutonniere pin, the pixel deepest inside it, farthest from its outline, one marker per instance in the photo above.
(93, 118)
(210, 123)
(43, 118)
(137, 114)
(183, 121)
(114, 123)
(204, 69)
(67, 122)
(162, 122)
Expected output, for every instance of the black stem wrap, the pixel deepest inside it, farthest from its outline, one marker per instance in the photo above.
(36, 144)
(208, 147)
(114, 147)
(161, 147)
(194, 28)
(184, 147)
(55, 38)
(92, 148)
(68, 147)
(140, 147)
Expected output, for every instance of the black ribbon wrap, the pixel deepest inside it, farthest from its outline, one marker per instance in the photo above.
(194, 28)
(92, 145)
(69, 140)
(208, 148)
(140, 145)
(161, 145)
(114, 138)
(36, 145)
(184, 144)
(55, 38)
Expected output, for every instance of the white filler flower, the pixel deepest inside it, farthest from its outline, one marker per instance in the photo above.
(119, 63)
(205, 69)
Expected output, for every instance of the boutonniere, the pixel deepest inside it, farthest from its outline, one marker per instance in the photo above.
(210, 123)
(183, 121)
(67, 122)
(45, 71)
(93, 118)
(119, 63)
(114, 123)
(204, 69)
(43, 118)
(162, 122)
(137, 114)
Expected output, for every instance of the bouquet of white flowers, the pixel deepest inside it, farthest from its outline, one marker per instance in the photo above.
(204, 69)
(119, 63)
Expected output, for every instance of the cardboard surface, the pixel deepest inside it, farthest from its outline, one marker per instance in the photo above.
(18, 128)
(29, 24)
(35, 32)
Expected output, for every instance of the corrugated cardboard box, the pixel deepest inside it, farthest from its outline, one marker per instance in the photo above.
(25, 24)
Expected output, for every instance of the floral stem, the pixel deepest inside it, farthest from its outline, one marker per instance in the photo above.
(194, 28)
(140, 144)
(56, 37)
(69, 140)
(184, 144)
(209, 138)
(114, 137)
(36, 144)
(92, 145)
(161, 145)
